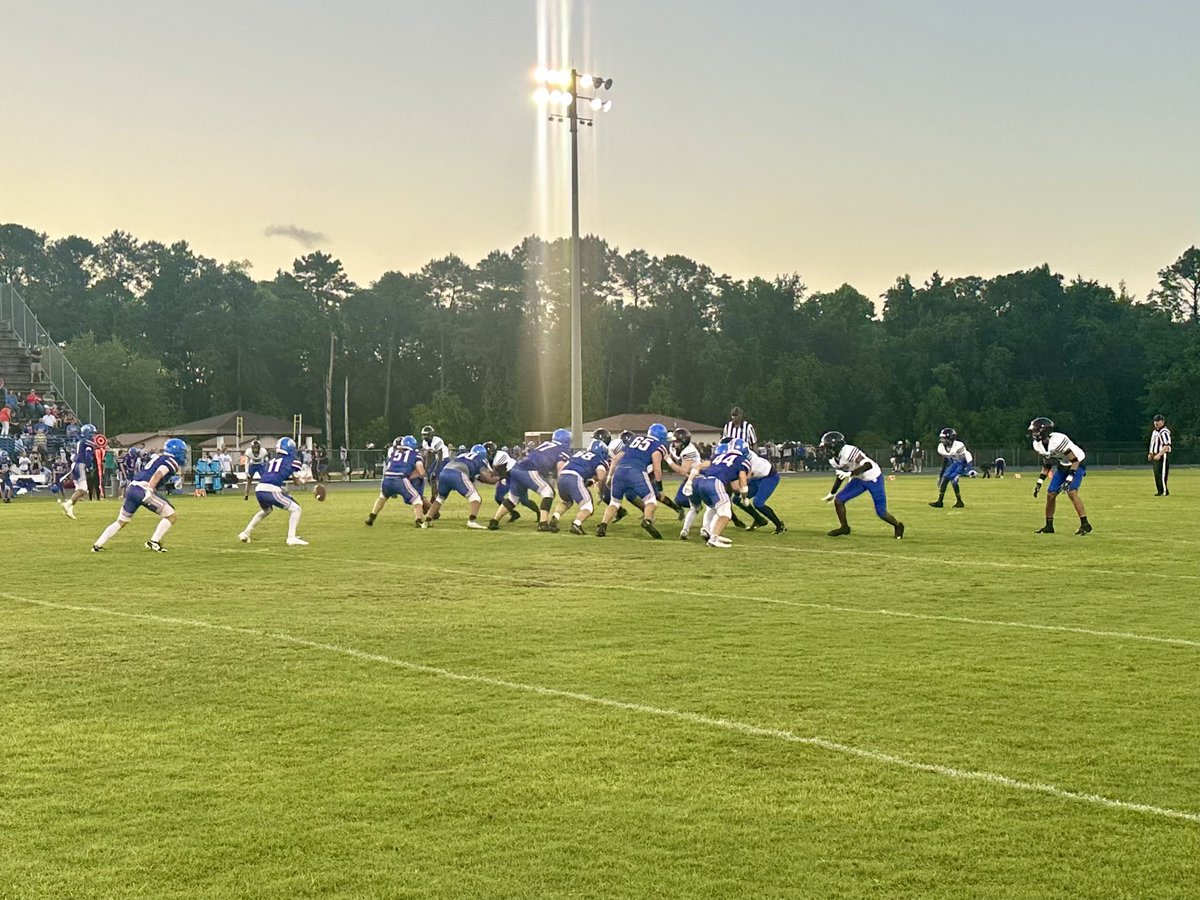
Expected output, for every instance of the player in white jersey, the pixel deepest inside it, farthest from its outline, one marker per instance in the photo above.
(861, 475)
(956, 462)
(434, 454)
(254, 458)
(1064, 458)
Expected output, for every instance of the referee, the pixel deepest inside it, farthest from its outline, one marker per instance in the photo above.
(738, 427)
(1160, 455)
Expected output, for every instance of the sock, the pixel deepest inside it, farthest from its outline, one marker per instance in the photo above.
(1083, 520)
(164, 525)
(770, 514)
(710, 516)
(957, 495)
(258, 517)
(689, 518)
(578, 522)
(107, 534)
(293, 521)
(1049, 521)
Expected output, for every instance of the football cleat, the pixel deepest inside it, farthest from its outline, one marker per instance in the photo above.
(899, 530)
(69, 509)
(543, 526)
(649, 528)
(780, 529)
(576, 528)
(937, 504)
(717, 545)
(155, 546)
(244, 537)
(738, 523)
(553, 526)
(471, 523)
(683, 535)
(296, 542)
(95, 549)
(958, 504)
(512, 517)
(494, 525)
(838, 532)
(1084, 529)
(704, 535)
(601, 530)
(1045, 529)
(622, 513)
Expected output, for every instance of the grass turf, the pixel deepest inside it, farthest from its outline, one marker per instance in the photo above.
(390, 712)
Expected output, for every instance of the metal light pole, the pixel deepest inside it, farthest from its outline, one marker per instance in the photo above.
(572, 82)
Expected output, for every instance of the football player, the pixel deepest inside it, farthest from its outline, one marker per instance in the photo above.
(434, 455)
(459, 475)
(861, 475)
(404, 467)
(6, 488)
(956, 462)
(256, 458)
(142, 490)
(85, 455)
(502, 462)
(271, 493)
(729, 469)
(583, 468)
(1064, 458)
(532, 473)
(635, 471)
(763, 481)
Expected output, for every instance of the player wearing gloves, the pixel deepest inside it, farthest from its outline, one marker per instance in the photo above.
(728, 470)
(956, 462)
(1064, 458)
(861, 475)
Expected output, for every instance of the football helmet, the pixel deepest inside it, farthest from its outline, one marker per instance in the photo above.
(659, 432)
(177, 450)
(408, 441)
(833, 441)
(601, 434)
(255, 445)
(720, 448)
(626, 437)
(683, 437)
(285, 445)
(1040, 428)
(479, 448)
(87, 430)
(489, 447)
(427, 432)
(599, 448)
(737, 445)
(561, 436)
(948, 435)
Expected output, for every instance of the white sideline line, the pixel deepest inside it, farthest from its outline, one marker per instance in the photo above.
(826, 607)
(745, 728)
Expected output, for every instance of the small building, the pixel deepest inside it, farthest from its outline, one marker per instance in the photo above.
(639, 422)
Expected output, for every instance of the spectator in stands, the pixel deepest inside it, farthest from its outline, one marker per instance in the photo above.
(35, 365)
(5, 420)
(72, 426)
(33, 405)
(49, 419)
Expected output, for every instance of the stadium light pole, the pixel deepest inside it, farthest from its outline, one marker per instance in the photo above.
(562, 88)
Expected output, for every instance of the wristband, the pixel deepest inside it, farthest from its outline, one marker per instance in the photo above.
(1041, 480)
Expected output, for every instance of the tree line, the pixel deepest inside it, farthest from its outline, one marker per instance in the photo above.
(163, 334)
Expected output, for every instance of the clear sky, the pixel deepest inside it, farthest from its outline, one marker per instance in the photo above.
(846, 141)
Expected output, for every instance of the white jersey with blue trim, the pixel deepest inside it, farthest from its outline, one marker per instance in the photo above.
(1056, 447)
(956, 452)
(760, 467)
(436, 445)
(850, 458)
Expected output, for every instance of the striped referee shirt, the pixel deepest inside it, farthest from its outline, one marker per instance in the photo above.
(1160, 440)
(745, 431)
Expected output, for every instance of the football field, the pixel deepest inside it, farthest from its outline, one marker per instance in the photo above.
(974, 711)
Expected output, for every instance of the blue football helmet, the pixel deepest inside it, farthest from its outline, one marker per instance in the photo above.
(176, 449)
(658, 431)
(480, 449)
(408, 441)
(737, 445)
(285, 445)
(87, 430)
(720, 448)
(561, 436)
(599, 448)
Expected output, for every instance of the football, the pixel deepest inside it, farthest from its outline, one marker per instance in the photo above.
(319, 492)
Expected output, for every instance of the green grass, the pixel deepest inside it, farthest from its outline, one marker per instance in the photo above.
(255, 722)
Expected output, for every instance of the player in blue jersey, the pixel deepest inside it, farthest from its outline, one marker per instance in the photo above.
(6, 488)
(533, 473)
(83, 457)
(502, 463)
(142, 490)
(271, 494)
(459, 476)
(635, 472)
(861, 475)
(404, 466)
(130, 465)
(727, 471)
(583, 468)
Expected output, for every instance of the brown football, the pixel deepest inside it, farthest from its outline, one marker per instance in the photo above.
(319, 492)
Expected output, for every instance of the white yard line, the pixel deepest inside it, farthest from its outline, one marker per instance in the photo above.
(732, 725)
(823, 607)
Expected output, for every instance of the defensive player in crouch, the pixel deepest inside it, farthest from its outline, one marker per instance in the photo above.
(728, 471)
(861, 475)
(270, 492)
(956, 462)
(142, 491)
(1064, 458)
